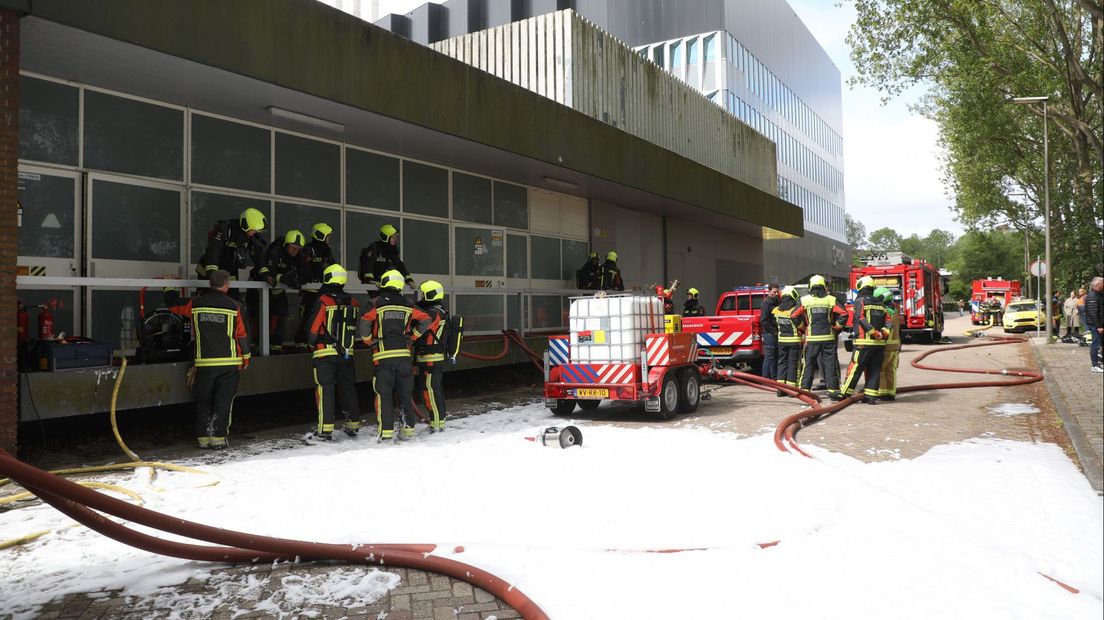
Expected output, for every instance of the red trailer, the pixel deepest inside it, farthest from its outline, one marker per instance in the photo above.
(984, 292)
(917, 286)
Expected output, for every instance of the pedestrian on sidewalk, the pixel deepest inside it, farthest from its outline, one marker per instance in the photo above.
(1069, 311)
(1081, 295)
(1094, 316)
(961, 307)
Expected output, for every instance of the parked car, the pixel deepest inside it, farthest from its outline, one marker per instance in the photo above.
(1023, 315)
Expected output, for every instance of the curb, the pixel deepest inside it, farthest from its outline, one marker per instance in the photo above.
(1090, 464)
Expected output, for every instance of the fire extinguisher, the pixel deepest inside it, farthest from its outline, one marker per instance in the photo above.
(45, 323)
(21, 324)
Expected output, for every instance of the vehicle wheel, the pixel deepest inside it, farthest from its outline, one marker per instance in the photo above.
(689, 383)
(563, 407)
(668, 397)
(589, 405)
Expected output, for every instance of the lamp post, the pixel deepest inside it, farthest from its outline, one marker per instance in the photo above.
(1027, 251)
(1046, 210)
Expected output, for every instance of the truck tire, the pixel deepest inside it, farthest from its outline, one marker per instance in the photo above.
(689, 382)
(669, 397)
(563, 407)
(589, 405)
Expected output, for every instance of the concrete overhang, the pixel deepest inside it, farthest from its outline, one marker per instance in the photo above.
(241, 58)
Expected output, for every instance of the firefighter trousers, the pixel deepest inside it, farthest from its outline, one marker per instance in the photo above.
(394, 378)
(429, 384)
(335, 382)
(789, 359)
(866, 360)
(820, 354)
(277, 318)
(887, 384)
(215, 388)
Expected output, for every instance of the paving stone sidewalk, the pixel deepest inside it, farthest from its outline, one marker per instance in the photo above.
(1078, 394)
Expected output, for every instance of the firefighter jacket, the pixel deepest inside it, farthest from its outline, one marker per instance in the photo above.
(609, 277)
(315, 257)
(332, 323)
(230, 248)
(693, 308)
(283, 268)
(870, 317)
(586, 277)
(392, 323)
(893, 342)
(379, 258)
(431, 346)
(789, 326)
(822, 314)
(219, 328)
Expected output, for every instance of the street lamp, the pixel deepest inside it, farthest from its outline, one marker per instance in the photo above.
(1027, 251)
(1046, 209)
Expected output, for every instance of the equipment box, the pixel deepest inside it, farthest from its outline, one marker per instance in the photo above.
(64, 355)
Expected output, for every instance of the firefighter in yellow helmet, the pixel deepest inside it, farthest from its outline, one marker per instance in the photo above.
(233, 245)
(609, 275)
(433, 350)
(331, 334)
(692, 307)
(282, 260)
(316, 256)
(392, 323)
(383, 256)
(825, 318)
(790, 330)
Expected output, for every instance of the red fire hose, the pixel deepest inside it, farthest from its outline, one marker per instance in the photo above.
(78, 502)
(509, 336)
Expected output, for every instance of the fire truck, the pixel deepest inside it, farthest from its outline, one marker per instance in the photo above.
(732, 335)
(986, 290)
(917, 287)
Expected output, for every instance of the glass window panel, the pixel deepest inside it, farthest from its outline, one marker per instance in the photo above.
(546, 258)
(425, 189)
(692, 51)
(471, 198)
(428, 246)
(48, 121)
(362, 230)
(371, 180)
(710, 48)
(208, 208)
(132, 222)
(657, 55)
(307, 168)
(125, 135)
(574, 254)
(48, 204)
(513, 311)
(115, 318)
(63, 313)
(511, 205)
(479, 251)
(303, 217)
(676, 54)
(517, 256)
(231, 154)
(482, 313)
(547, 311)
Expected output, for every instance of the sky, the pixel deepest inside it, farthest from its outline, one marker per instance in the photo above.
(892, 171)
(966, 527)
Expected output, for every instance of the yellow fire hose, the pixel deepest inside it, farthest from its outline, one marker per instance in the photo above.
(973, 331)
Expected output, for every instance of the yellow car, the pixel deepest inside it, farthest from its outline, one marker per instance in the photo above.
(1023, 315)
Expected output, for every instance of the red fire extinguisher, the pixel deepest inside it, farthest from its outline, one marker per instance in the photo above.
(21, 324)
(45, 323)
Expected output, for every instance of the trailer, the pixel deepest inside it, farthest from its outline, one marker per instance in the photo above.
(618, 350)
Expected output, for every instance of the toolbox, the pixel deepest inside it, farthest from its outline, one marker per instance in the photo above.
(72, 353)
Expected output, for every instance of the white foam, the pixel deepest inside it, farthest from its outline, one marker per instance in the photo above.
(1011, 409)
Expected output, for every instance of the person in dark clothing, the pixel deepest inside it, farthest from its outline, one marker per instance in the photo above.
(692, 307)
(383, 256)
(430, 355)
(769, 330)
(331, 333)
(871, 329)
(283, 262)
(393, 323)
(825, 318)
(316, 256)
(789, 337)
(233, 245)
(609, 277)
(1094, 319)
(221, 352)
(586, 277)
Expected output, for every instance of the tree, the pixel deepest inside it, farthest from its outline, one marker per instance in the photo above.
(985, 255)
(885, 240)
(856, 233)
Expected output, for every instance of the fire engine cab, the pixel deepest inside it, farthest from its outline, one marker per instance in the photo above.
(917, 287)
(985, 292)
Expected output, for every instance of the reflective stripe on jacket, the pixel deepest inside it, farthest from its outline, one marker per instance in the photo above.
(393, 322)
(431, 347)
(823, 315)
(789, 328)
(870, 317)
(332, 323)
(219, 329)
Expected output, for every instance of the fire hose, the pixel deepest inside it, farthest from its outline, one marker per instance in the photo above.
(509, 336)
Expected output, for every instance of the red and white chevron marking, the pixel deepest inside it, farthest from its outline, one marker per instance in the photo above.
(658, 349)
(615, 373)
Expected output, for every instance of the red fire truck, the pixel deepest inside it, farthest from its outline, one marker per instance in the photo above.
(988, 289)
(917, 286)
(732, 335)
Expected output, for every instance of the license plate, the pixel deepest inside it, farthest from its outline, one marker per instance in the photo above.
(721, 350)
(591, 393)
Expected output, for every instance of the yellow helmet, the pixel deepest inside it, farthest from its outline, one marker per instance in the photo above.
(790, 291)
(294, 237)
(692, 293)
(432, 290)
(611, 255)
(335, 274)
(252, 219)
(321, 231)
(393, 279)
(387, 231)
(817, 281)
(864, 282)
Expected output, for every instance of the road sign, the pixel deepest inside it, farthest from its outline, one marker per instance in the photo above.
(1038, 268)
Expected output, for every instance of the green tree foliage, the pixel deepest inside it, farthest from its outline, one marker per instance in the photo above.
(885, 240)
(856, 233)
(981, 255)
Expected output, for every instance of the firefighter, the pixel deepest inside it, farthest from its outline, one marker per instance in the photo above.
(430, 355)
(824, 318)
(790, 329)
(235, 244)
(221, 352)
(887, 384)
(313, 261)
(870, 330)
(331, 333)
(586, 277)
(392, 323)
(609, 276)
(282, 260)
(691, 307)
(383, 256)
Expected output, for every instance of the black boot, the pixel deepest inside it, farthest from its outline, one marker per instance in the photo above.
(869, 400)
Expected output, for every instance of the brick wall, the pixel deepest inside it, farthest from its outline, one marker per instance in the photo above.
(9, 232)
